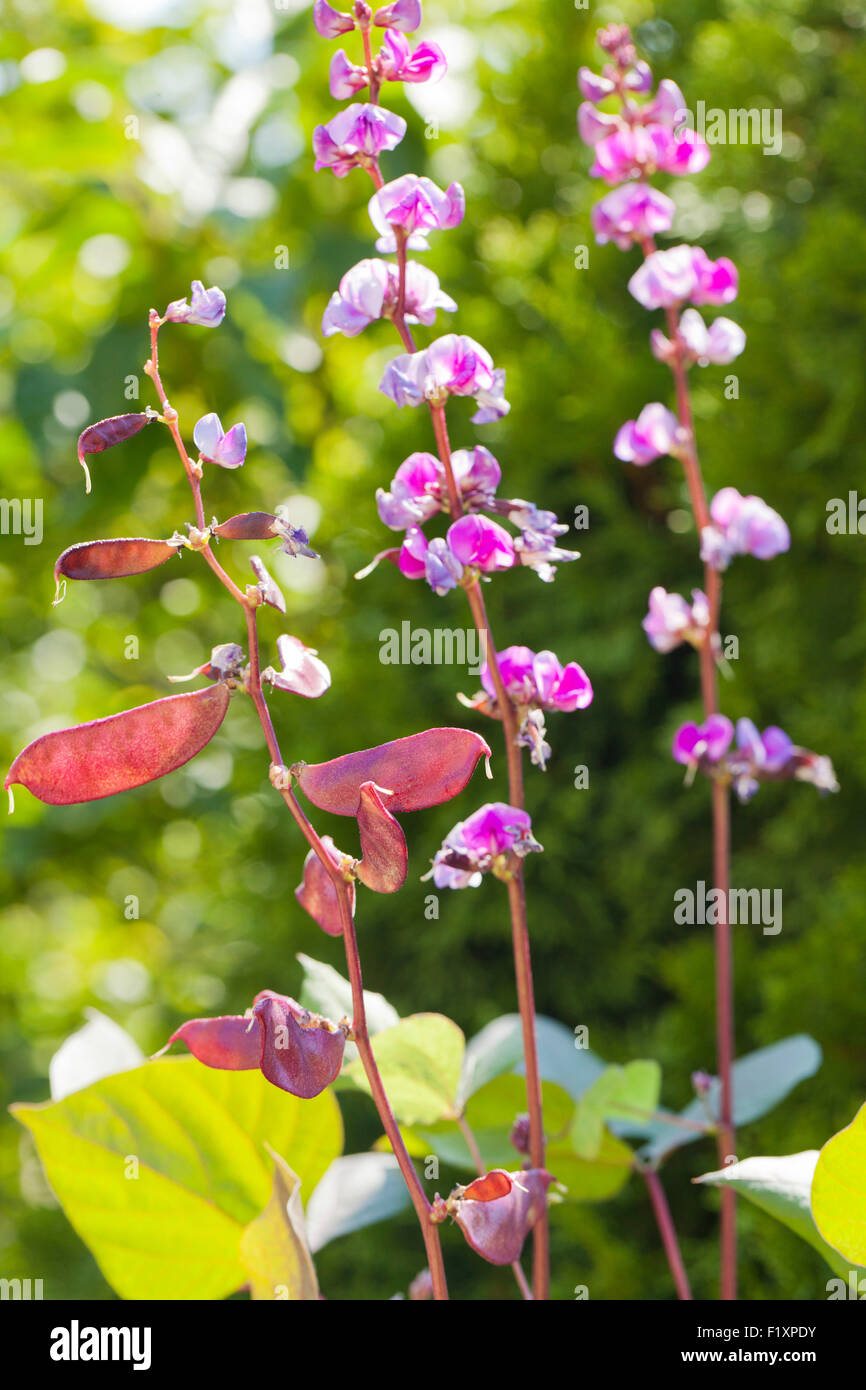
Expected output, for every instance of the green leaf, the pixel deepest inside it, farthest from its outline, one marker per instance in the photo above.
(839, 1191)
(780, 1186)
(357, 1190)
(760, 1080)
(196, 1138)
(274, 1248)
(619, 1093)
(596, 1179)
(325, 991)
(419, 1060)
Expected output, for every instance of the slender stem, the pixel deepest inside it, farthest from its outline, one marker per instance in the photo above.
(668, 1233)
(429, 1230)
(370, 66)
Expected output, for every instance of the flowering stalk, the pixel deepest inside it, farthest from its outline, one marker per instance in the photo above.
(281, 779)
(630, 145)
(461, 484)
(667, 1230)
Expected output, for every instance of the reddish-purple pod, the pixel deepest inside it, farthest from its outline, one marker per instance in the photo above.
(497, 1211)
(248, 526)
(125, 750)
(112, 559)
(384, 857)
(316, 892)
(421, 770)
(230, 1043)
(302, 1052)
(106, 433)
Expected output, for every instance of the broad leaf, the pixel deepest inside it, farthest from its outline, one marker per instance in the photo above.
(839, 1191)
(274, 1248)
(419, 1060)
(619, 1093)
(498, 1048)
(760, 1080)
(162, 1168)
(356, 1191)
(326, 992)
(781, 1186)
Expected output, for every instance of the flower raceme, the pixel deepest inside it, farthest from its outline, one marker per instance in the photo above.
(719, 344)
(655, 432)
(298, 1051)
(418, 489)
(684, 273)
(355, 137)
(493, 840)
(396, 62)
(535, 682)
(370, 291)
(756, 757)
(742, 526)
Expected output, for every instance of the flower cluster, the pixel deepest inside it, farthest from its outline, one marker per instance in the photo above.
(744, 757)
(534, 682)
(493, 840)
(672, 620)
(742, 526)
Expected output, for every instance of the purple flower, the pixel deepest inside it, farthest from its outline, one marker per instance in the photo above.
(678, 152)
(668, 106)
(742, 526)
(655, 432)
(630, 214)
(626, 153)
(539, 678)
(294, 540)
(345, 78)
(330, 22)
(707, 742)
(634, 151)
(594, 126)
(398, 63)
(404, 15)
(720, 343)
(206, 307)
(370, 291)
(412, 556)
(594, 87)
(671, 277)
(442, 569)
(671, 620)
(355, 137)
(451, 366)
(485, 842)
(227, 449)
(536, 546)
(771, 756)
(477, 475)
(478, 541)
(302, 672)
(416, 205)
(415, 495)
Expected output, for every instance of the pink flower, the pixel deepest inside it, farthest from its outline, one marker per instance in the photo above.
(655, 432)
(345, 78)
(397, 62)
(454, 365)
(370, 291)
(484, 842)
(484, 544)
(678, 152)
(330, 22)
(627, 153)
(593, 125)
(226, 449)
(671, 620)
(442, 569)
(668, 106)
(355, 137)
(708, 742)
(418, 488)
(630, 214)
(404, 15)
(594, 87)
(671, 277)
(742, 526)
(206, 307)
(417, 206)
(539, 678)
(720, 343)
(412, 560)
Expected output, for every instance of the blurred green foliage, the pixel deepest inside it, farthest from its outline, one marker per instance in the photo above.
(136, 159)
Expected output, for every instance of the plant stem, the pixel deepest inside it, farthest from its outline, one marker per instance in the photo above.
(668, 1233)
(429, 1230)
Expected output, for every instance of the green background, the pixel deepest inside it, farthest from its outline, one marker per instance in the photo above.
(216, 178)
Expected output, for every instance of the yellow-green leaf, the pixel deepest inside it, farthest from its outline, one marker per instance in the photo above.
(274, 1249)
(419, 1060)
(839, 1191)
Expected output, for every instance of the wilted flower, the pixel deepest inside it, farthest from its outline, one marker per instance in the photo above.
(293, 540)
(216, 446)
(370, 291)
(296, 1050)
(497, 1211)
(655, 432)
(355, 137)
(302, 672)
(671, 277)
(268, 588)
(491, 840)
(630, 214)
(417, 206)
(742, 526)
(672, 620)
(206, 307)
